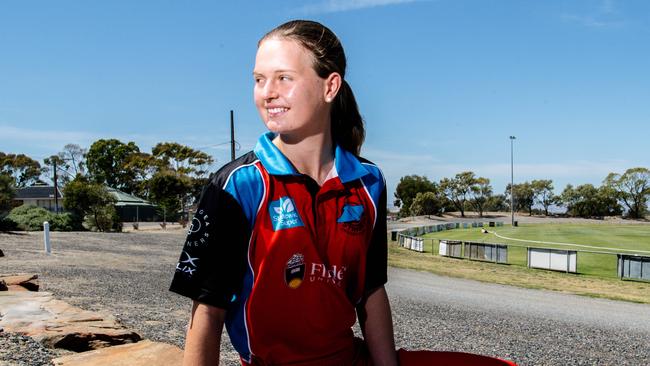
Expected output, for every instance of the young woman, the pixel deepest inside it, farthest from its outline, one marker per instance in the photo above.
(288, 245)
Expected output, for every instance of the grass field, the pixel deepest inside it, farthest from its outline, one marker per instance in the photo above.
(597, 245)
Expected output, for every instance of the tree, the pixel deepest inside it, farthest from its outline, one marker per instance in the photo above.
(7, 193)
(22, 168)
(496, 203)
(85, 198)
(108, 163)
(141, 167)
(609, 204)
(408, 188)
(69, 163)
(524, 197)
(588, 201)
(481, 192)
(633, 189)
(427, 203)
(182, 159)
(168, 190)
(543, 191)
(457, 189)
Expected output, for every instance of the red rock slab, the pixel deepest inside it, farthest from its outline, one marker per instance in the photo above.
(144, 353)
(57, 324)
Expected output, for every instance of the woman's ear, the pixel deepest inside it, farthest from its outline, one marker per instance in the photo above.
(332, 86)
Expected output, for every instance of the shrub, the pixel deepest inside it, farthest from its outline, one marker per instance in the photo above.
(103, 219)
(31, 218)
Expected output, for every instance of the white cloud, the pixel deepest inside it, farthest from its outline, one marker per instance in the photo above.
(591, 21)
(335, 6)
(608, 6)
(41, 139)
(604, 16)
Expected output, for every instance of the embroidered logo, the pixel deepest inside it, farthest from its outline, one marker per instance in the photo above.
(283, 214)
(294, 272)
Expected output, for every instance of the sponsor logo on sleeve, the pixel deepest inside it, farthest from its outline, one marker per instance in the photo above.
(294, 272)
(198, 233)
(187, 264)
(284, 214)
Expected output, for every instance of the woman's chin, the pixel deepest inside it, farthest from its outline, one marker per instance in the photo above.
(274, 127)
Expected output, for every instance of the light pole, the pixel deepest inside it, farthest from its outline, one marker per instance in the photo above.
(512, 181)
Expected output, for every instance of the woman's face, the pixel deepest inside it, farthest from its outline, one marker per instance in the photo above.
(289, 95)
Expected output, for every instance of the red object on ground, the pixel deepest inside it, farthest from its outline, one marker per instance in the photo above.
(434, 358)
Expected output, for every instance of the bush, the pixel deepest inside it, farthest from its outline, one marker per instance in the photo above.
(103, 219)
(7, 224)
(31, 218)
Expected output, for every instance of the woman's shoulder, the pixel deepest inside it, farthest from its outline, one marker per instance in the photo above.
(372, 168)
(235, 168)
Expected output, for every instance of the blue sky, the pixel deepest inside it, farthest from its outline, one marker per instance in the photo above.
(441, 84)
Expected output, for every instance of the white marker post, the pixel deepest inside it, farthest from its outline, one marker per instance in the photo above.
(46, 238)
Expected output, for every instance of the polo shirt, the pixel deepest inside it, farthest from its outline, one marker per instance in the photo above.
(288, 259)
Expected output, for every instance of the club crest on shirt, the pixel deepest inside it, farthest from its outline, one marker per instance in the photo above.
(352, 219)
(294, 272)
(284, 214)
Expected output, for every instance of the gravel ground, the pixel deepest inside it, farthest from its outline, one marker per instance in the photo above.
(128, 275)
(16, 349)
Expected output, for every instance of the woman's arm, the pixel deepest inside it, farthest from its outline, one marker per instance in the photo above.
(204, 335)
(377, 327)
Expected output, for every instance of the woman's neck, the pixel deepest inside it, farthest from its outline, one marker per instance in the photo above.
(312, 155)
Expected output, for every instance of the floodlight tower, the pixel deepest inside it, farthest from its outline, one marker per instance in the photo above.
(512, 182)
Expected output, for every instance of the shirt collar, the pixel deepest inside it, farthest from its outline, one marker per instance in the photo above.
(347, 165)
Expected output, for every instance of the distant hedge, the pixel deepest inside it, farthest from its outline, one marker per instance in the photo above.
(31, 218)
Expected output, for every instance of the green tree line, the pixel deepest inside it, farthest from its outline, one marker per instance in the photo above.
(620, 194)
(171, 176)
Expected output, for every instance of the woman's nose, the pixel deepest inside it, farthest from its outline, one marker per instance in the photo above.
(270, 90)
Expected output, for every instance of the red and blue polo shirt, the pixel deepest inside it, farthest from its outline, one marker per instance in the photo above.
(288, 259)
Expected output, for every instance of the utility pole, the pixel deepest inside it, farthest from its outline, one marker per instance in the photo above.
(232, 135)
(56, 190)
(512, 182)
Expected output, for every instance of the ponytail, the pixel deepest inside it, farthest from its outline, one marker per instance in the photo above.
(347, 125)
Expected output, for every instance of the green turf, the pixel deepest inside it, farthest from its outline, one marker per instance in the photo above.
(601, 236)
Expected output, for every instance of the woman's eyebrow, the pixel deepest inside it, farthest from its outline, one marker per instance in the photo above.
(257, 73)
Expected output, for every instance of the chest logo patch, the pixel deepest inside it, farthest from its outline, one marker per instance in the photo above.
(351, 219)
(351, 213)
(284, 214)
(294, 272)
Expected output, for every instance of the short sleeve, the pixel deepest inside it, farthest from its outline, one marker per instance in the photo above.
(377, 257)
(213, 259)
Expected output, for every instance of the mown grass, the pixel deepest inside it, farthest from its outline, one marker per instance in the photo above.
(597, 275)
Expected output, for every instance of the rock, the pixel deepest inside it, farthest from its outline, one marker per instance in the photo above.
(28, 281)
(57, 324)
(16, 288)
(1, 253)
(3, 286)
(144, 353)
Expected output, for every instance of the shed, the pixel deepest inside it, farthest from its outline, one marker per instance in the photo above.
(131, 208)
